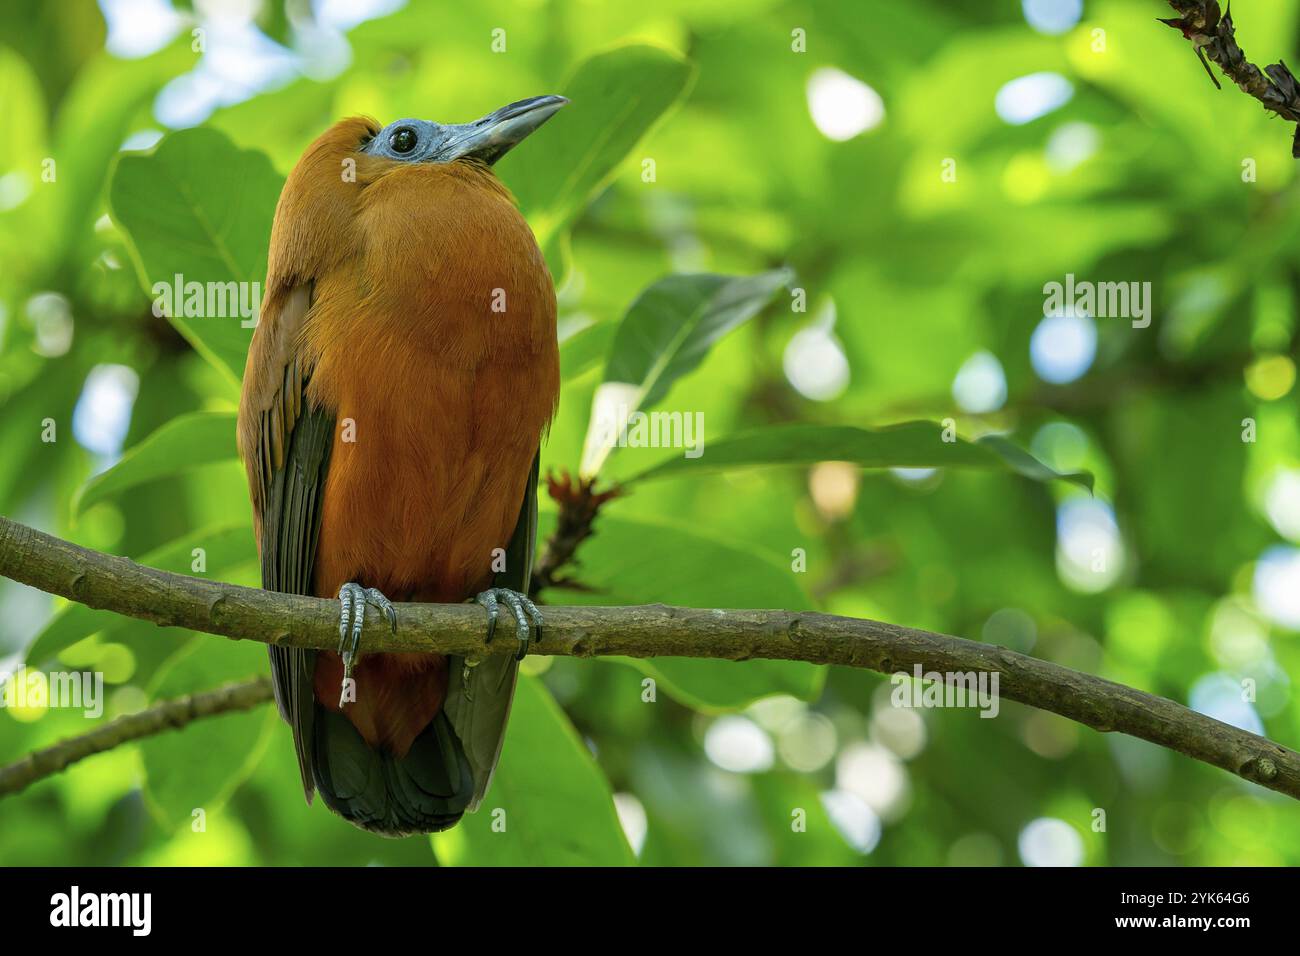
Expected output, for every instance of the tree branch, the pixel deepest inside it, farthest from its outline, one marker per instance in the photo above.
(116, 584)
(169, 715)
(1214, 37)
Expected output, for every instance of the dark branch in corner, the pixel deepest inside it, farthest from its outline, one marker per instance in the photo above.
(1214, 37)
(290, 620)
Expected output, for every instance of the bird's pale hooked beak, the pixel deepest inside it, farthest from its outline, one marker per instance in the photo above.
(491, 137)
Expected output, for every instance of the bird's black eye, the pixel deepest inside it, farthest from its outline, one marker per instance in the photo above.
(403, 140)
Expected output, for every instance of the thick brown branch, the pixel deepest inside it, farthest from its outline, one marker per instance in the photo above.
(170, 714)
(116, 584)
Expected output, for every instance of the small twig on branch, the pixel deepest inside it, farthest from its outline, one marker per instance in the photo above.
(116, 584)
(579, 505)
(1214, 36)
(169, 715)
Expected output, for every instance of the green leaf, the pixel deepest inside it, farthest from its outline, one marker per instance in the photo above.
(665, 334)
(818, 842)
(614, 99)
(23, 138)
(183, 444)
(200, 766)
(907, 445)
(638, 562)
(224, 548)
(26, 465)
(23, 125)
(200, 208)
(553, 800)
(584, 349)
(96, 114)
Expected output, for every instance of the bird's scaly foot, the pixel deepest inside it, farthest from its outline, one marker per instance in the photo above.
(524, 609)
(353, 599)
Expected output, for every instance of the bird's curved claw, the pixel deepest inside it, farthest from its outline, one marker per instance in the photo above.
(353, 599)
(525, 611)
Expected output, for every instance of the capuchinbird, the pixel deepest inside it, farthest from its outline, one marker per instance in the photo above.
(399, 382)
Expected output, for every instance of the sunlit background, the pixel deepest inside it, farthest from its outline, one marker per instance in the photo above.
(925, 168)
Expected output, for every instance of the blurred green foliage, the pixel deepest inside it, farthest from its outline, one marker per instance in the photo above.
(918, 244)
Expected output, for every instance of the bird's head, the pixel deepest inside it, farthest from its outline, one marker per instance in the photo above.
(330, 188)
(485, 140)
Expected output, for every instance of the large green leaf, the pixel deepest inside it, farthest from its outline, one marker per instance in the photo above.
(25, 464)
(665, 334)
(614, 99)
(98, 112)
(553, 801)
(638, 562)
(819, 842)
(183, 444)
(584, 349)
(224, 548)
(907, 445)
(200, 766)
(23, 138)
(200, 208)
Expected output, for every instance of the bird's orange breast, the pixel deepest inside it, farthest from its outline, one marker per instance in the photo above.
(439, 360)
(436, 351)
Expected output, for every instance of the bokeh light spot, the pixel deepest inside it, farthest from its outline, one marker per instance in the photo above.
(1089, 552)
(1282, 503)
(1277, 585)
(980, 384)
(102, 415)
(1223, 697)
(1048, 841)
(855, 821)
(1070, 145)
(1052, 16)
(815, 364)
(1026, 98)
(1271, 377)
(1063, 347)
(738, 744)
(842, 106)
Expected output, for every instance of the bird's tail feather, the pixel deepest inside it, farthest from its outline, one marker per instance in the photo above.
(426, 791)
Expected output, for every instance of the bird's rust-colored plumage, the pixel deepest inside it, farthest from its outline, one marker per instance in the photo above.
(410, 302)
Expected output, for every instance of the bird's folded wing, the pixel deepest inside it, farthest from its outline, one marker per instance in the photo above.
(478, 702)
(286, 446)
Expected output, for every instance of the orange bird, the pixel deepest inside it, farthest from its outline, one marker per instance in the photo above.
(398, 385)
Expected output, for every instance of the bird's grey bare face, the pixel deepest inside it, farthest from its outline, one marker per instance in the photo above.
(487, 139)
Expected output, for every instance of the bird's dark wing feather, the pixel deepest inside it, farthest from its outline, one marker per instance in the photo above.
(296, 493)
(286, 446)
(478, 702)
